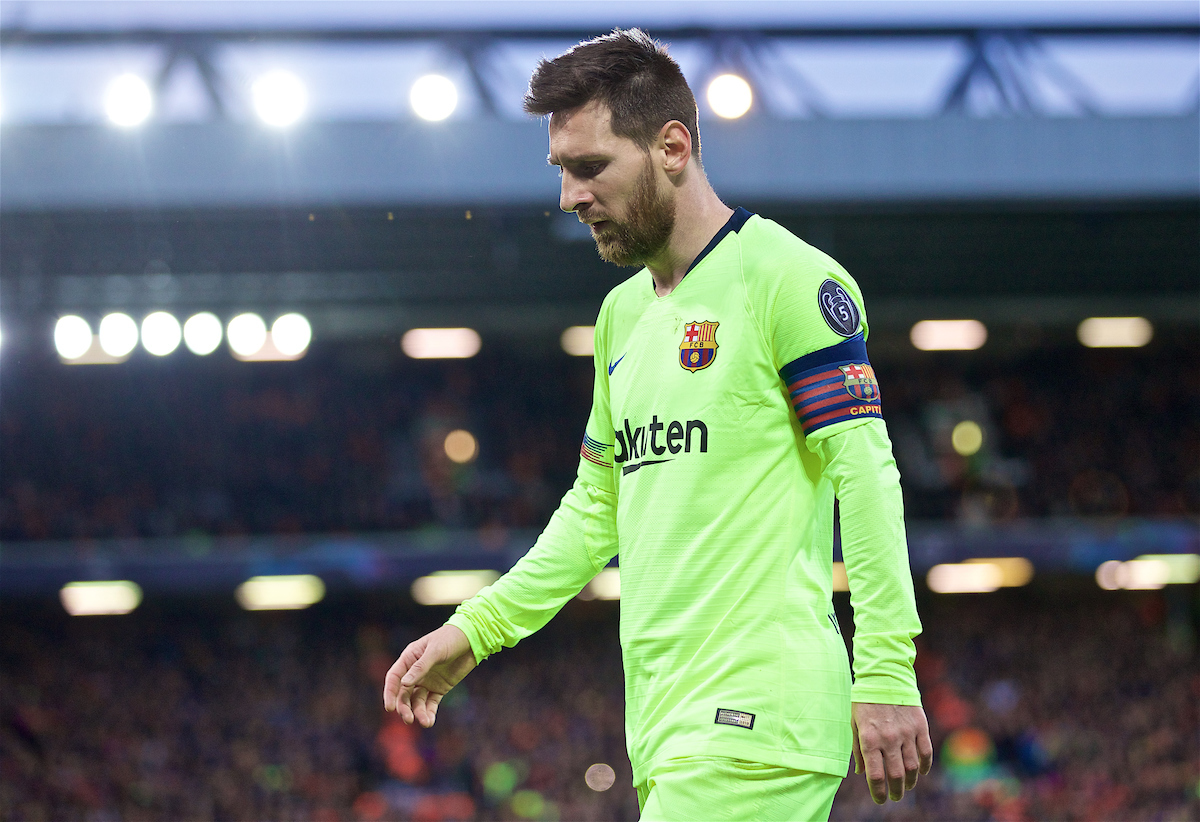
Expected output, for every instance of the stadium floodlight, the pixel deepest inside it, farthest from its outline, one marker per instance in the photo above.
(118, 334)
(964, 578)
(579, 340)
(440, 343)
(1182, 569)
(247, 334)
(605, 585)
(1014, 571)
(72, 337)
(433, 97)
(966, 438)
(279, 98)
(280, 593)
(128, 101)
(1115, 332)
(948, 335)
(291, 334)
(461, 446)
(600, 777)
(161, 333)
(202, 333)
(451, 587)
(730, 96)
(1149, 572)
(96, 598)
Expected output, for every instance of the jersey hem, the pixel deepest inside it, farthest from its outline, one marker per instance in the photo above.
(752, 753)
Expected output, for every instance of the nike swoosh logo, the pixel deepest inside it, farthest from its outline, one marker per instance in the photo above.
(612, 366)
(629, 469)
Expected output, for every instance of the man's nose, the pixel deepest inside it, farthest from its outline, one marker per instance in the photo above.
(573, 195)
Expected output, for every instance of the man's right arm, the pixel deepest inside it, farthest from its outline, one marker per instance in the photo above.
(579, 540)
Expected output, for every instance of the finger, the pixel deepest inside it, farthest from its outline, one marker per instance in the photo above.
(925, 750)
(876, 778)
(431, 707)
(912, 763)
(858, 763)
(404, 706)
(894, 762)
(420, 706)
(391, 684)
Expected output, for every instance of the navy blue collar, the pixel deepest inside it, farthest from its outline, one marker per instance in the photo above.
(733, 224)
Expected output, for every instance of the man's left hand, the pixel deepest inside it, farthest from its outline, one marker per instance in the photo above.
(891, 745)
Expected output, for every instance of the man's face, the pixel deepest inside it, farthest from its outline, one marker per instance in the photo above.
(612, 184)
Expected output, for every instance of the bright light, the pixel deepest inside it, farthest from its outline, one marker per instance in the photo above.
(967, 438)
(127, 101)
(965, 578)
(247, 334)
(605, 585)
(730, 96)
(72, 337)
(202, 333)
(1014, 571)
(279, 98)
(461, 446)
(579, 340)
(291, 334)
(160, 333)
(1182, 569)
(451, 587)
(440, 343)
(1115, 332)
(948, 335)
(600, 777)
(280, 593)
(1149, 572)
(841, 582)
(433, 97)
(96, 598)
(118, 334)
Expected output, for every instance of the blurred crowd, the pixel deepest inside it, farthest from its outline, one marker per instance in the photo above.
(1044, 704)
(355, 439)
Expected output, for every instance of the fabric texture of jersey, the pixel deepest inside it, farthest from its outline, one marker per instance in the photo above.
(718, 789)
(719, 498)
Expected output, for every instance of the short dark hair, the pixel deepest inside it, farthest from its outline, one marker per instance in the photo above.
(627, 71)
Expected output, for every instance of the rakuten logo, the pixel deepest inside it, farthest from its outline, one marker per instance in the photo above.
(657, 439)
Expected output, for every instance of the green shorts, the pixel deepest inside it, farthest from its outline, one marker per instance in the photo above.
(716, 789)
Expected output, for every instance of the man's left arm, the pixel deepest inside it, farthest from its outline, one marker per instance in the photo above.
(891, 734)
(815, 323)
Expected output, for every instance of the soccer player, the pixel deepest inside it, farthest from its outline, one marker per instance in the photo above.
(734, 404)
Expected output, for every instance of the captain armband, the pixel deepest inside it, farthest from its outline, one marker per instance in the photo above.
(834, 384)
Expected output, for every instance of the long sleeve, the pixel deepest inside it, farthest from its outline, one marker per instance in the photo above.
(579, 540)
(858, 461)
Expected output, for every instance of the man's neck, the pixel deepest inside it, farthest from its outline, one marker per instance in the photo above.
(697, 221)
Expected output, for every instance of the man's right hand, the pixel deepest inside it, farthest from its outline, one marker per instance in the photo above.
(425, 673)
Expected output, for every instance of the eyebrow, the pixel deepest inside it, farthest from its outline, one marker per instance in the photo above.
(574, 161)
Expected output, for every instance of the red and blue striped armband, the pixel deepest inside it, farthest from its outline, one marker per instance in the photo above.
(596, 452)
(835, 384)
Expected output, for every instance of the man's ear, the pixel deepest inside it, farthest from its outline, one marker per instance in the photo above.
(676, 143)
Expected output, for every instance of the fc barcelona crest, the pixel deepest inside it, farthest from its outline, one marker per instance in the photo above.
(699, 346)
(860, 381)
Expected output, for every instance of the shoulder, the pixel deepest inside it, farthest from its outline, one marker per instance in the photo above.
(621, 305)
(771, 253)
(627, 296)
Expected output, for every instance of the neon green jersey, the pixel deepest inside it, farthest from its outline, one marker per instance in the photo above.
(727, 417)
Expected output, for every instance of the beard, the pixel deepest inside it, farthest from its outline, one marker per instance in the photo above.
(646, 228)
